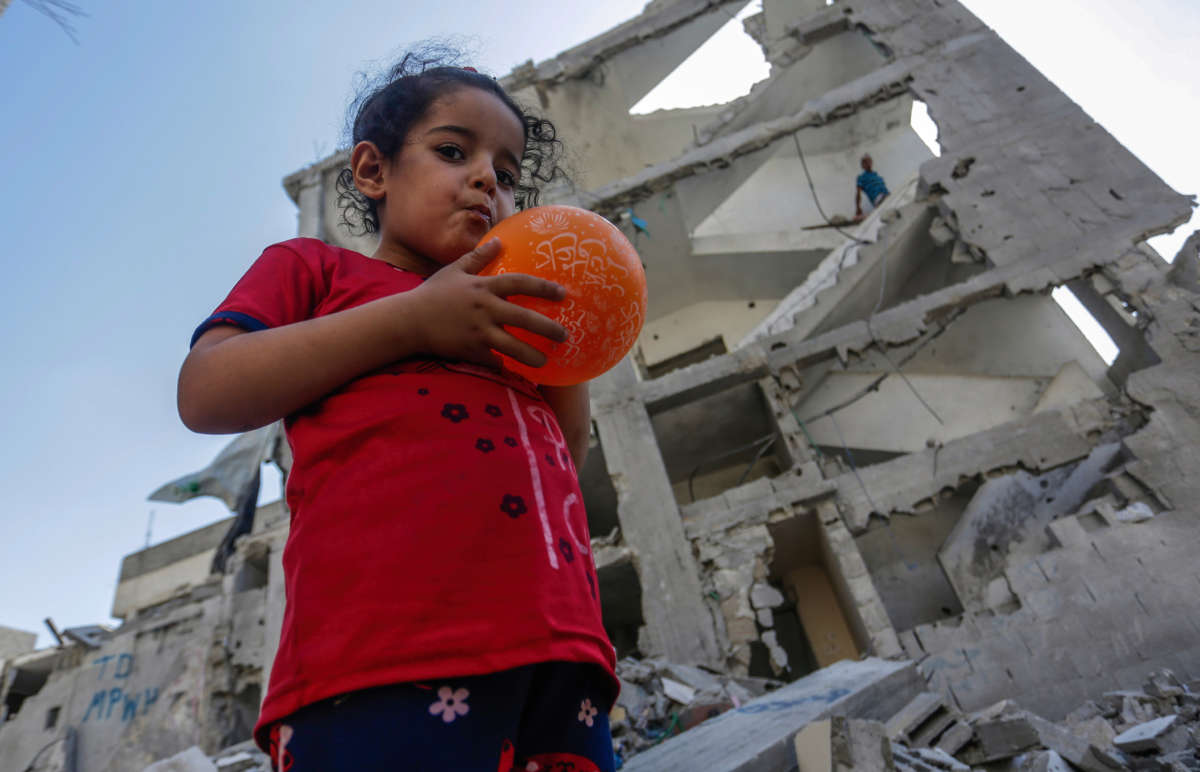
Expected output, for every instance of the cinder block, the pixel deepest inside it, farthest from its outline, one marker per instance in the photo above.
(1160, 599)
(1121, 545)
(940, 636)
(1068, 631)
(1066, 532)
(1026, 578)
(912, 715)
(953, 739)
(1046, 604)
(874, 616)
(851, 566)
(1006, 737)
(1108, 589)
(887, 644)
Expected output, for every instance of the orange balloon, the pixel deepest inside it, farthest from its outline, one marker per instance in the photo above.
(606, 289)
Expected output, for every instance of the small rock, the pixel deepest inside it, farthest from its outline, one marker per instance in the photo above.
(1163, 683)
(633, 698)
(765, 596)
(779, 657)
(681, 693)
(1181, 761)
(634, 670)
(1134, 711)
(1137, 512)
(1085, 712)
(1096, 731)
(700, 680)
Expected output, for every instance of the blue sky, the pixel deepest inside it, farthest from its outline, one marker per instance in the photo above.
(142, 174)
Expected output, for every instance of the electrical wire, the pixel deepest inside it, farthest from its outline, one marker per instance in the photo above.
(816, 199)
(761, 451)
(882, 283)
(768, 439)
(853, 466)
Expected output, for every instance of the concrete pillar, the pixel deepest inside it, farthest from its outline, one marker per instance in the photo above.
(678, 623)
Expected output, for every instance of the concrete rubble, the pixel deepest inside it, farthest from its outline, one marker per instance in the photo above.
(839, 457)
(659, 700)
(1152, 728)
(1109, 734)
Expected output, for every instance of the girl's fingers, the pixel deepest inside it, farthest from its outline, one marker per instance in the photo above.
(519, 350)
(475, 260)
(507, 284)
(512, 315)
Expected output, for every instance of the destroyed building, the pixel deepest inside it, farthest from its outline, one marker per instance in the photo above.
(879, 440)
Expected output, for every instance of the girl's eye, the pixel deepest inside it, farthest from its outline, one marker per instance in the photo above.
(506, 178)
(452, 152)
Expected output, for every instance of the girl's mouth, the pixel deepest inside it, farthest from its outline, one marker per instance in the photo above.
(481, 213)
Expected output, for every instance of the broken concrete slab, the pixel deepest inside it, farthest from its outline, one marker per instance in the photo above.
(758, 735)
(1157, 736)
(191, 760)
(1005, 737)
(1016, 731)
(1007, 520)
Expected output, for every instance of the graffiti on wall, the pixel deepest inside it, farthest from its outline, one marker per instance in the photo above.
(115, 699)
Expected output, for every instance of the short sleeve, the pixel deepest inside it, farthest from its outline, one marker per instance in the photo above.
(282, 287)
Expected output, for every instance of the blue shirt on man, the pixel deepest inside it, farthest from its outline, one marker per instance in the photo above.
(873, 185)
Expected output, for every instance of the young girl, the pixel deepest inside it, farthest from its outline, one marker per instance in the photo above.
(442, 606)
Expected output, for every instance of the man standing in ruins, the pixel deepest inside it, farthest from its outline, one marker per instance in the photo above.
(870, 184)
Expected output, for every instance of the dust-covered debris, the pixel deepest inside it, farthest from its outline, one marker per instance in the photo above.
(662, 699)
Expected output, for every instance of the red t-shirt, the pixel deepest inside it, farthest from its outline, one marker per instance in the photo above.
(437, 525)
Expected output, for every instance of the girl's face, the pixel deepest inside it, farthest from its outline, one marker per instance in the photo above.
(453, 179)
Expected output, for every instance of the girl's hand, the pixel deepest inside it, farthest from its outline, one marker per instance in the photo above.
(461, 316)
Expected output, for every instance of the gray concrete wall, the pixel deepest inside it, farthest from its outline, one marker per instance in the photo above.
(155, 574)
(14, 642)
(1095, 615)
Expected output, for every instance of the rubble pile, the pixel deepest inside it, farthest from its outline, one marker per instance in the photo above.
(661, 699)
(1154, 729)
(243, 757)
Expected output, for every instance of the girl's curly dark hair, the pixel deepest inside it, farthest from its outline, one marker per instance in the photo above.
(386, 109)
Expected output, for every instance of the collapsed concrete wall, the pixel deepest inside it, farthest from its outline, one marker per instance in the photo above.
(882, 439)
